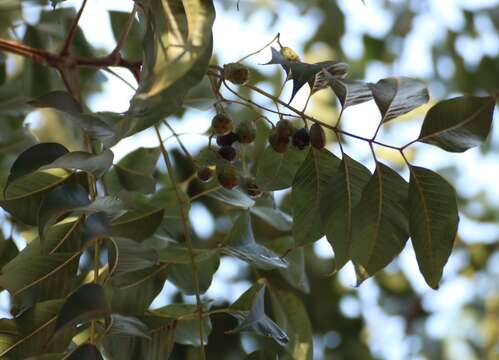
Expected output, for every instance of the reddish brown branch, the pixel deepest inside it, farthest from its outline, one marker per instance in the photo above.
(68, 41)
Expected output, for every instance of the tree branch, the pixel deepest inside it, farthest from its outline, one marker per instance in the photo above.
(68, 41)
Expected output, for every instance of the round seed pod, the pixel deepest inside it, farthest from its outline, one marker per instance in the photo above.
(301, 138)
(278, 143)
(289, 54)
(204, 173)
(236, 73)
(221, 124)
(317, 136)
(284, 128)
(227, 176)
(228, 153)
(228, 139)
(246, 131)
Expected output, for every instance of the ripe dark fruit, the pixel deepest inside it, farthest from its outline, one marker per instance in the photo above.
(227, 176)
(228, 139)
(221, 124)
(227, 152)
(236, 73)
(301, 138)
(317, 136)
(278, 143)
(246, 131)
(289, 54)
(252, 188)
(204, 173)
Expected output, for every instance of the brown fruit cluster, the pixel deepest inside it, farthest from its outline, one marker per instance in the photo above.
(317, 136)
(204, 173)
(280, 134)
(228, 153)
(227, 175)
(236, 73)
(252, 188)
(246, 131)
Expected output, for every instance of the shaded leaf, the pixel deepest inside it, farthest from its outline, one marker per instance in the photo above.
(380, 223)
(8, 250)
(96, 226)
(256, 321)
(241, 243)
(138, 223)
(234, 197)
(277, 170)
(274, 217)
(349, 92)
(398, 96)
(133, 44)
(132, 256)
(86, 352)
(458, 124)
(127, 326)
(135, 171)
(343, 192)
(433, 221)
(309, 187)
(87, 303)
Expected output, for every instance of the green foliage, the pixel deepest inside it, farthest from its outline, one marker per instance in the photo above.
(102, 236)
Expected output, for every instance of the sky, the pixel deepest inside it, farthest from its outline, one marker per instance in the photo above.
(229, 33)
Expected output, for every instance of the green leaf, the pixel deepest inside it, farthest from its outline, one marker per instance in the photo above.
(433, 221)
(132, 48)
(127, 326)
(8, 250)
(277, 170)
(131, 256)
(343, 193)
(398, 96)
(96, 226)
(290, 314)
(295, 274)
(234, 197)
(256, 321)
(380, 226)
(86, 352)
(52, 155)
(241, 243)
(87, 303)
(274, 217)
(31, 333)
(458, 124)
(309, 186)
(181, 275)
(135, 171)
(349, 92)
(177, 50)
(60, 100)
(138, 223)
(24, 197)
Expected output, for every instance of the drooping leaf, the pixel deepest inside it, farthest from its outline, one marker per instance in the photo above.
(256, 321)
(96, 226)
(309, 187)
(132, 48)
(277, 170)
(343, 192)
(380, 226)
(87, 303)
(241, 243)
(23, 198)
(433, 221)
(127, 326)
(86, 352)
(96, 164)
(135, 171)
(181, 275)
(30, 333)
(274, 217)
(458, 124)
(234, 197)
(290, 314)
(295, 274)
(349, 92)
(398, 96)
(132, 256)
(60, 100)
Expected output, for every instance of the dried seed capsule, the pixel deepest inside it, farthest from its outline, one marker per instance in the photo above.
(228, 139)
(252, 188)
(301, 138)
(246, 131)
(317, 136)
(236, 73)
(278, 143)
(227, 152)
(227, 176)
(289, 54)
(204, 173)
(221, 124)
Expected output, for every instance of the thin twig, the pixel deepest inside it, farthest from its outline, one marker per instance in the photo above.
(68, 41)
(188, 240)
(259, 51)
(172, 130)
(124, 35)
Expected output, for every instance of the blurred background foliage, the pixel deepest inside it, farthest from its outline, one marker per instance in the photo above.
(391, 316)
